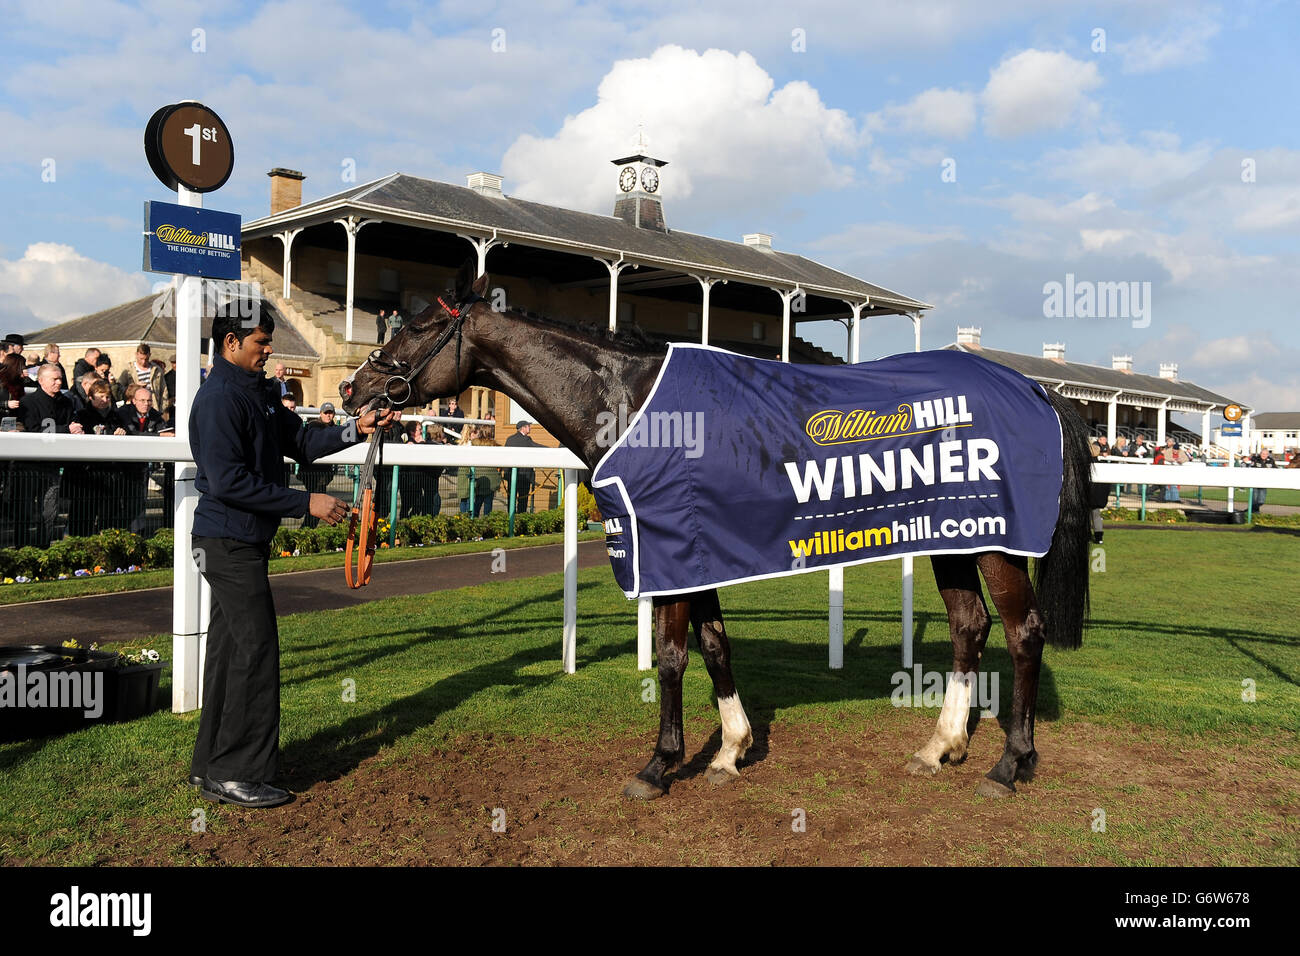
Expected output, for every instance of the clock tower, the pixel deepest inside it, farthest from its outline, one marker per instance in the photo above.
(638, 200)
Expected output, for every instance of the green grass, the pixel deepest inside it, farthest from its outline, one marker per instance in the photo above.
(142, 580)
(1276, 496)
(1179, 621)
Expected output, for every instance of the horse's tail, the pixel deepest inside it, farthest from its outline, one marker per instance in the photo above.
(1061, 575)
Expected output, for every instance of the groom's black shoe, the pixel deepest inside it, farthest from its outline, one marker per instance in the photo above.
(196, 780)
(243, 794)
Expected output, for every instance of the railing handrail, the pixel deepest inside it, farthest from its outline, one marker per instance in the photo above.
(58, 448)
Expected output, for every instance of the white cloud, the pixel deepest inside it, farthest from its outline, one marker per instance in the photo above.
(54, 283)
(1123, 164)
(1037, 90)
(1175, 47)
(945, 114)
(738, 138)
(1226, 351)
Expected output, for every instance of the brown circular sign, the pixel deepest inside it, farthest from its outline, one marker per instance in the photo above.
(188, 145)
(1232, 413)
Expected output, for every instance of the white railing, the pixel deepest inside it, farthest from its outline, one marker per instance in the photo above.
(1208, 476)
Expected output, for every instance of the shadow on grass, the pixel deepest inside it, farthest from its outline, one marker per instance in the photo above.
(386, 644)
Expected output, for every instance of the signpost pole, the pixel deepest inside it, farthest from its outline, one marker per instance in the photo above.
(189, 627)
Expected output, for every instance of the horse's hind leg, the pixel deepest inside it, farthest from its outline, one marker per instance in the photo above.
(968, 624)
(1013, 595)
(706, 618)
(671, 618)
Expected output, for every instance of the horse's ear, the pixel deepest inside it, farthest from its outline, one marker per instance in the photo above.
(480, 285)
(465, 279)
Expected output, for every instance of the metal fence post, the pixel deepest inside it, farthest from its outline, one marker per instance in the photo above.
(510, 530)
(392, 511)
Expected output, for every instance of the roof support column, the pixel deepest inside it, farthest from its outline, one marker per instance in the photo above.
(481, 247)
(916, 329)
(706, 283)
(286, 239)
(1205, 430)
(787, 296)
(353, 225)
(1161, 416)
(1111, 409)
(614, 267)
(855, 334)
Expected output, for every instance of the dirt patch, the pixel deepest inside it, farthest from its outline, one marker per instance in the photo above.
(1166, 800)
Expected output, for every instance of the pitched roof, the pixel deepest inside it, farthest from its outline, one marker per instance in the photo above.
(151, 319)
(432, 204)
(1045, 370)
(1273, 420)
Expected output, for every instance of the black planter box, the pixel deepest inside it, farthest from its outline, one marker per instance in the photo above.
(131, 691)
(125, 692)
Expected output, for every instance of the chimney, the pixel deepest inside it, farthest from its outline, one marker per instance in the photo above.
(1055, 351)
(1122, 363)
(968, 336)
(286, 189)
(759, 240)
(1169, 370)
(485, 184)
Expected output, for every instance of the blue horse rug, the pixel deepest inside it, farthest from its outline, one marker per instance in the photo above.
(738, 469)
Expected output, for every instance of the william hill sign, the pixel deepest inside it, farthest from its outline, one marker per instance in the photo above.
(191, 241)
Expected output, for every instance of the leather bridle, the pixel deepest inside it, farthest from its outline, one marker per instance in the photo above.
(363, 524)
(402, 373)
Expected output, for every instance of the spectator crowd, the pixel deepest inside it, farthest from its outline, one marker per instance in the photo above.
(140, 400)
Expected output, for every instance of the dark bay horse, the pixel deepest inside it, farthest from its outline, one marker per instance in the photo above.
(568, 376)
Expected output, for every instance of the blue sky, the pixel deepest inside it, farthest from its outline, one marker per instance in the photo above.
(1161, 151)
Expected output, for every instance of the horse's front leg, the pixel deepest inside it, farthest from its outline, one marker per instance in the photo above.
(706, 618)
(671, 618)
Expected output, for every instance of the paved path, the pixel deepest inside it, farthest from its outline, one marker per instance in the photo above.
(131, 615)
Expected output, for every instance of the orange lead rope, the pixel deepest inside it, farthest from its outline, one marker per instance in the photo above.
(363, 525)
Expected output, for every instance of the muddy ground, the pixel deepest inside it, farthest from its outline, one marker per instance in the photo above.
(559, 802)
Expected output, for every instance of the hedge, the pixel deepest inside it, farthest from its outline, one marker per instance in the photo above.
(105, 553)
(117, 551)
(421, 530)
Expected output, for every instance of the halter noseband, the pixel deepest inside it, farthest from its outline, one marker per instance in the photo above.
(401, 372)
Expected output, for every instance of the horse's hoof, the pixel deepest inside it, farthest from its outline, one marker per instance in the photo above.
(638, 789)
(991, 788)
(719, 777)
(920, 768)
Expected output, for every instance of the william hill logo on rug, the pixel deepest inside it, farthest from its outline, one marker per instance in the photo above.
(834, 427)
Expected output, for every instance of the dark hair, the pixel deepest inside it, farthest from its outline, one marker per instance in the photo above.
(143, 349)
(240, 327)
(12, 368)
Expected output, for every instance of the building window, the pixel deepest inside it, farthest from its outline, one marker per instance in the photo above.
(336, 273)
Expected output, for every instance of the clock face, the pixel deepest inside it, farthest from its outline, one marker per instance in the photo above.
(650, 179)
(627, 179)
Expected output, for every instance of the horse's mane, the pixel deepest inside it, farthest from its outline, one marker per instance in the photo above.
(631, 337)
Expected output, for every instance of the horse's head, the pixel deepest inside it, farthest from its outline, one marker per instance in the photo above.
(426, 360)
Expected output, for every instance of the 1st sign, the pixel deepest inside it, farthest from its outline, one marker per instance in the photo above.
(188, 145)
